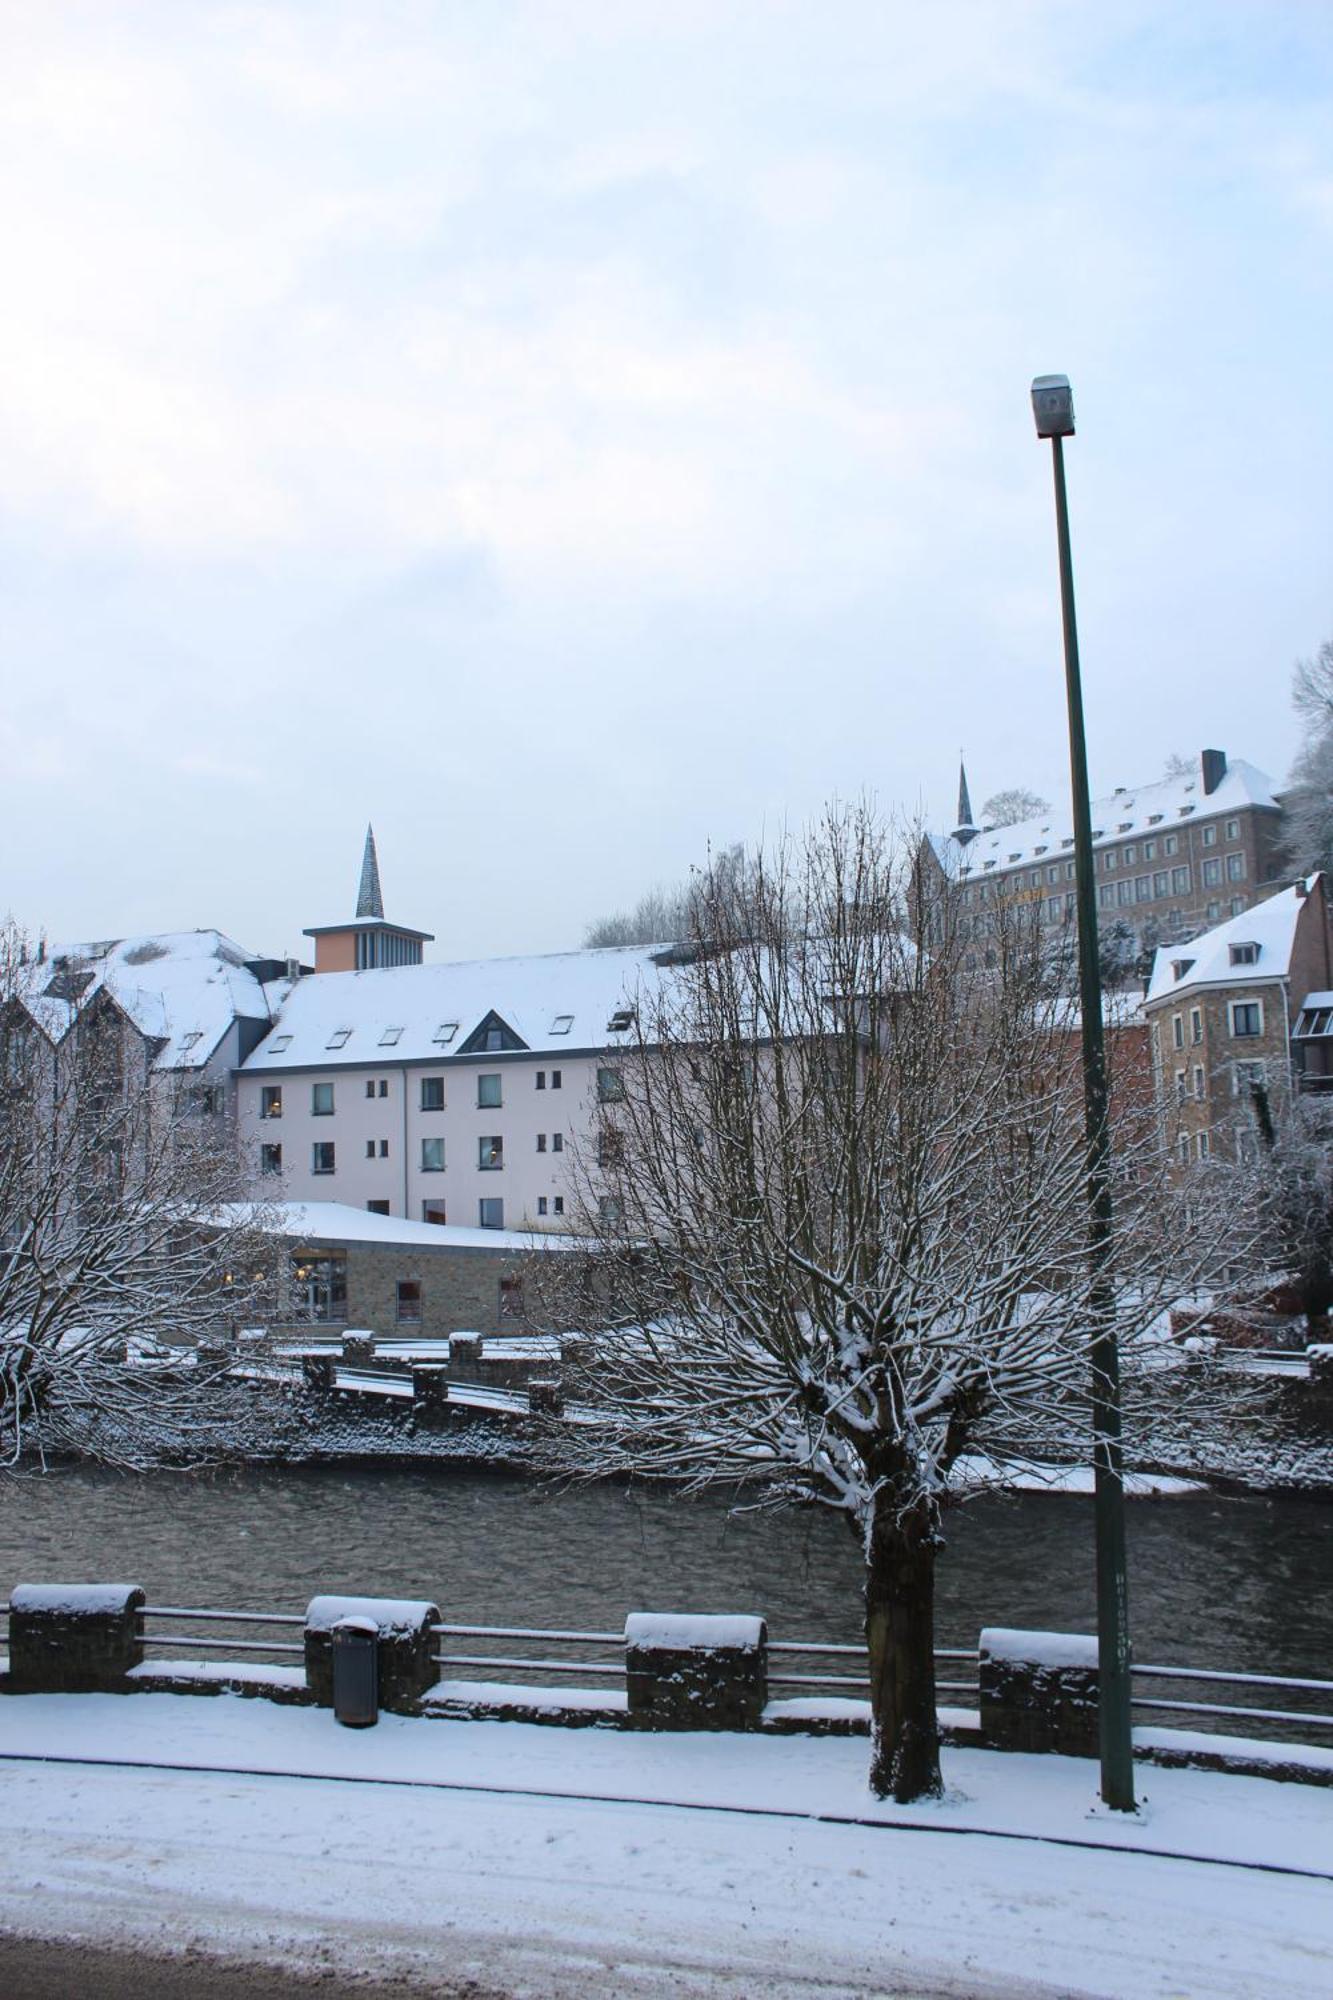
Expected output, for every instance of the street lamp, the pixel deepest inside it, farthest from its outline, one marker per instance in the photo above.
(1053, 408)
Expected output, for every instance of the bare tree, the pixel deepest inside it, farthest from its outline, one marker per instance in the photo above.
(838, 1207)
(672, 915)
(123, 1227)
(1009, 807)
(1307, 819)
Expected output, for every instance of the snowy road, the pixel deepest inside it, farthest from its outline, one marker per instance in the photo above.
(691, 1865)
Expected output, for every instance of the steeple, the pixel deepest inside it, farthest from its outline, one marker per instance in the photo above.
(369, 901)
(966, 829)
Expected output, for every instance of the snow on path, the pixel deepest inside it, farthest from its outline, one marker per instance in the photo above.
(591, 1895)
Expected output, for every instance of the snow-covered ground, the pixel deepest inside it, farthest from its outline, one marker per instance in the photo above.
(560, 1863)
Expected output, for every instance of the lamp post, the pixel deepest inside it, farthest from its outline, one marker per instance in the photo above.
(1053, 408)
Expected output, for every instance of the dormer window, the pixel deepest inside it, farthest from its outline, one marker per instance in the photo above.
(561, 1024)
(339, 1038)
(1155, 819)
(1244, 954)
(390, 1038)
(1180, 966)
(1125, 826)
(1182, 810)
(445, 1033)
(1039, 850)
(622, 1018)
(1017, 857)
(1069, 842)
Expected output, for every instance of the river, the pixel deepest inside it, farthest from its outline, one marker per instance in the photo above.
(1243, 1582)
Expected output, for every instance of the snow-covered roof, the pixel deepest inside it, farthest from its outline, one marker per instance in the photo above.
(1141, 810)
(554, 1003)
(1208, 960)
(339, 1222)
(181, 988)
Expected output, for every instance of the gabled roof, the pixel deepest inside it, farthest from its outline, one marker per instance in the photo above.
(180, 989)
(1206, 960)
(1140, 810)
(553, 1003)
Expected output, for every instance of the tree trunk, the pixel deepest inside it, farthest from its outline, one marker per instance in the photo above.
(900, 1635)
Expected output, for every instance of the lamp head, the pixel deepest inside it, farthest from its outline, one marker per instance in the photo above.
(1053, 406)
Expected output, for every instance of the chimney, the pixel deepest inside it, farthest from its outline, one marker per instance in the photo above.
(1214, 769)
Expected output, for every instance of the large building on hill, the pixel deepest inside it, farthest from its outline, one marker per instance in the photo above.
(1172, 857)
(461, 1094)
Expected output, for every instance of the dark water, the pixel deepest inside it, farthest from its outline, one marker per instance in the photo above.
(1244, 1583)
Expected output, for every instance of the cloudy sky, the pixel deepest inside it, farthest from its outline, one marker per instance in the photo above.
(565, 434)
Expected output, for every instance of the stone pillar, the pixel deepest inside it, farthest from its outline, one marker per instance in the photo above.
(317, 1371)
(696, 1673)
(73, 1638)
(406, 1645)
(1319, 1361)
(430, 1394)
(1039, 1691)
(465, 1355)
(546, 1398)
(358, 1349)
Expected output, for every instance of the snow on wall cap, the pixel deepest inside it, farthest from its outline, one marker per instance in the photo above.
(1039, 1649)
(75, 1597)
(686, 1632)
(356, 1625)
(386, 1614)
(1319, 1351)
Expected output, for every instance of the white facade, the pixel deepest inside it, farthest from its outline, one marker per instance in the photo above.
(360, 1091)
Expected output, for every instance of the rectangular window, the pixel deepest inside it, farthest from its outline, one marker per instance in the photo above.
(562, 1024)
(1171, 845)
(1150, 850)
(1131, 855)
(541, 1204)
(511, 1298)
(1180, 881)
(322, 1157)
(432, 1156)
(555, 1079)
(1233, 829)
(377, 1207)
(370, 1086)
(432, 1093)
(339, 1038)
(1212, 873)
(541, 1142)
(1247, 1018)
(1235, 868)
(1196, 1025)
(557, 1142)
(1210, 836)
(491, 1212)
(1143, 888)
(1200, 1087)
(1183, 1148)
(1112, 859)
(409, 1302)
(1214, 909)
(270, 1101)
(391, 1038)
(1052, 876)
(1161, 883)
(1053, 908)
(611, 1085)
(270, 1159)
(384, 1149)
(370, 1149)
(608, 1208)
(557, 1204)
(321, 1100)
(384, 1086)
(434, 1211)
(488, 1093)
(1245, 954)
(1181, 1090)
(541, 1079)
(1201, 1145)
(1106, 894)
(1237, 905)
(1124, 892)
(1178, 1030)
(490, 1154)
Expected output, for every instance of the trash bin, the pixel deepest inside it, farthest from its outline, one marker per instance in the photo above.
(356, 1678)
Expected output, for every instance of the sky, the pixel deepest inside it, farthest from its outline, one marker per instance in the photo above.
(568, 435)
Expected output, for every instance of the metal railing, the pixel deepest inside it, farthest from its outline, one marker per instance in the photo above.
(229, 1644)
(1272, 1723)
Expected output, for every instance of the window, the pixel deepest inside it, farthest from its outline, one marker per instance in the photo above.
(1124, 892)
(188, 1041)
(1070, 871)
(321, 1100)
(377, 1208)
(1161, 883)
(270, 1101)
(1244, 954)
(370, 1149)
(541, 1204)
(409, 1302)
(1053, 907)
(1180, 966)
(557, 1204)
(1183, 1148)
(1235, 868)
(278, 1044)
(491, 1212)
(511, 1298)
(541, 1079)
(1131, 855)
(322, 1157)
(1212, 873)
(555, 1079)
(390, 1038)
(1237, 905)
(490, 1154)
(1034, 880)
(1178, 1031)
(270, 1159)
(319, 1284)
(433, 1211)
(432, 1156)
(1247, 1018)
(1052, 876)
(384, 1086)
(611, 1085)
(1210, 836)
(432, 1093)
(1181, 1091)
(1150, 850)
(384, 1149)
(1112, 859)
(1196, 1025)
(1106, 894)
(541, 1142)
(339, 1038)
(370, 1086)
(488, 1093)
(562, 1024)
(557, 1142)
(1201, 1145)
(1233, 829)
(1171, 845)
(1200, 1083)
(608, 1208)
(1214, 909)
(624, 1016)
(1143, 888)
(493, 1040)
(445, 1033)
(1180, 881)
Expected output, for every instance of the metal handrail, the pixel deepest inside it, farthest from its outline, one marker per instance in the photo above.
(234, 1617)
(1235, 1680)
(226, 1645)
(533, 1666)
(525, 1632)
(1303, 1716)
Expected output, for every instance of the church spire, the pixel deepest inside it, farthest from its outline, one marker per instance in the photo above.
(967, 828)
(369, 901)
